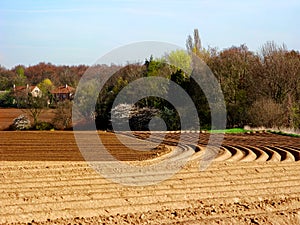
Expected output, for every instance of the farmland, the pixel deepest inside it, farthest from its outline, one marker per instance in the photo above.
(253, 180)
(7, 115)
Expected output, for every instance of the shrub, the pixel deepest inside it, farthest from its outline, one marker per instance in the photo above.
(6, 99)
(20, 123)
(43, 126)
(138, 118)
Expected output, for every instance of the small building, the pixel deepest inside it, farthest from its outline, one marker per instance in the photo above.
(23, 91)
(62, 93)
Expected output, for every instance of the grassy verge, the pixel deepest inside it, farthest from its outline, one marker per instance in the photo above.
(242, 130)
(229, 131)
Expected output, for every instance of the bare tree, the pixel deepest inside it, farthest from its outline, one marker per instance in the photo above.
(194, 45)
(34, 106)
(266, 112)
(278, 77)
(63, 115)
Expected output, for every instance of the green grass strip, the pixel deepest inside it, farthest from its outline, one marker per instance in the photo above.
(229, 131)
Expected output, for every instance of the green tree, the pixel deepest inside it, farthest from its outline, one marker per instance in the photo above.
(233, 69)
(6, 99)
(46, 86)
(181, 60)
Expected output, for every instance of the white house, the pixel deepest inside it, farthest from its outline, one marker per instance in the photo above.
(25, 90)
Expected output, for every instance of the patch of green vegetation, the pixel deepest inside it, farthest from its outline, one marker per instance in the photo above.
(230, 131)
(284, 134)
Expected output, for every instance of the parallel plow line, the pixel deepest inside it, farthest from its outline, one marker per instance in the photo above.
(256, 170)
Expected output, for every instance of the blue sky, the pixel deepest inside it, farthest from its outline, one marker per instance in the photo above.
(75, 32)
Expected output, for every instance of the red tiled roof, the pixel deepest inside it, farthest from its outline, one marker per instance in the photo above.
(23, 88)
(63, 90)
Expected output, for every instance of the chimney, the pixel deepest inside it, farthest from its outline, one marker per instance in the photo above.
(66, 86)
(14, 86)
(27, 86)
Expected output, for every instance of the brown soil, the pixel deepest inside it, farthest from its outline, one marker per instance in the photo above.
(255, 179)
(7, 115)
(61, 146)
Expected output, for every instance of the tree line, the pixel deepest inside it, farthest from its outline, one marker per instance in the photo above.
(22, 75)
(260, 88)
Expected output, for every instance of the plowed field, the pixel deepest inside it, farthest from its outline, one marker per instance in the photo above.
(255, 179)
(7, 115)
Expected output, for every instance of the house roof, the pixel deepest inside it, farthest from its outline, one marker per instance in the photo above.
(63, 90)
(24, 88)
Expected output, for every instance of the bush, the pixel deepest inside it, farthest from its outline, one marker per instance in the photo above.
(6, 99)
(43, 126)
(20, 123)
(138, 118)
(141, 117)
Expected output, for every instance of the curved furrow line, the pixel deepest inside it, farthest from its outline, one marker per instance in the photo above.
(294, 151)
(250, 155)
(274, 155)
(224, 155)
(295, 148)
(236, 153)
(180, 152)
(286, 156)
(262, 156)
